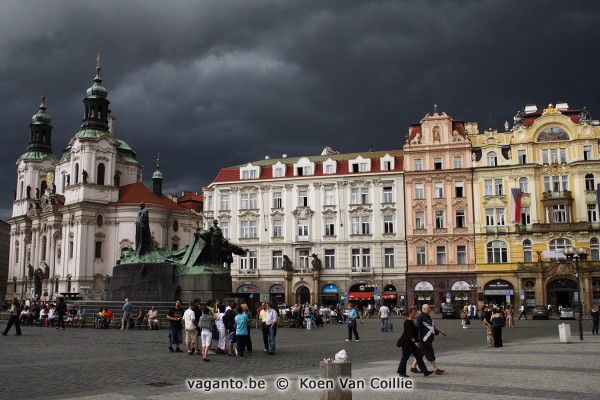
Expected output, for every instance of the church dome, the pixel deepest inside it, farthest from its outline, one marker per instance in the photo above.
(97, 90)
(41, 117)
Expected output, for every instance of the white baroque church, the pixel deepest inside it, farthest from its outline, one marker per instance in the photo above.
(75, 214)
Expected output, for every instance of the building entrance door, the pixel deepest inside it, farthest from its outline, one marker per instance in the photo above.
(303, 295)
(562, 292)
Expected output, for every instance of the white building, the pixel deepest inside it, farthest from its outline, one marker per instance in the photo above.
(72, 217)
(348, 209)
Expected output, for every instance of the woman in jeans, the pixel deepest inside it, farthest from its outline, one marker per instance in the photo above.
(352, 320)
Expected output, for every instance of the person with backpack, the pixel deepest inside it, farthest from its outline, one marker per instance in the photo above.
(13, 319)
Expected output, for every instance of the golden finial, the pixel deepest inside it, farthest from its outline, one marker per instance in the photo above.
(551, 110)
(98, 63)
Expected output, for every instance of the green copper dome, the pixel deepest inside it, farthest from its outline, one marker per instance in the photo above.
(41, 117)
(157, 175)
(97, 90)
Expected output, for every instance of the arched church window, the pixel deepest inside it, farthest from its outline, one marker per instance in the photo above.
(99, 112)
(76, 174)
(100, 174)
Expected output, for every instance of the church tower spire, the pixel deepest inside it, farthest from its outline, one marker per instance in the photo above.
(40, 140)
(157, 178)
(96, 107)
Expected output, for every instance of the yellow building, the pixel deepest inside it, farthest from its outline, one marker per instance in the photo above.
(535, 190)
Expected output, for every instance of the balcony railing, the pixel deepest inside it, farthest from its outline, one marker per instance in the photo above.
(360, 270)
(559, 194)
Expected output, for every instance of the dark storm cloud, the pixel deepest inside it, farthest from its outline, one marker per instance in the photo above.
(211, 84)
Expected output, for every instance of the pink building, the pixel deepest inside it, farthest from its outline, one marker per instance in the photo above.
(439, 212)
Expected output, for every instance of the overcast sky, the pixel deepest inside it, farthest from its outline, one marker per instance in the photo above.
(211, 84)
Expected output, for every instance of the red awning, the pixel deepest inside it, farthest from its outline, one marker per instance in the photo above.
(389, 296)
(360, 296)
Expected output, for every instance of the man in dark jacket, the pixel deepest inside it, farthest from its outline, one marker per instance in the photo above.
(61, 310)
(229, 321)
(427, 332)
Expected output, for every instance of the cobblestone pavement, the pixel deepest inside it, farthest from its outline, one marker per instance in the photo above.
(50, 363)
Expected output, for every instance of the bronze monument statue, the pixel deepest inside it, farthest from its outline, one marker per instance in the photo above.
(143, 235)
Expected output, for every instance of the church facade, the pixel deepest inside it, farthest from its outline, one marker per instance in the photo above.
(75, 214)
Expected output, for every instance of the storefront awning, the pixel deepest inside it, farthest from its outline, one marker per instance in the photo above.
(389, 296)
(360, 295)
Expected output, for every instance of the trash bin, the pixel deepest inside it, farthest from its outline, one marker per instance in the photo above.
(564, 333)
(333, 371)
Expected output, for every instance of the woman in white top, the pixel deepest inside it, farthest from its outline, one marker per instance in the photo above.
(221, 328)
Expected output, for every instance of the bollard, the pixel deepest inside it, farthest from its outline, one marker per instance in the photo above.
(333, 371)
(564, 333)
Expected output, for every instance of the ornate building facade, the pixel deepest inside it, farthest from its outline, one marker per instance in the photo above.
(439, 212)
(318, 229)
(536, 194)
(74, 215)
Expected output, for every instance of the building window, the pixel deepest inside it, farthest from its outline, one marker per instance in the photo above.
(418, 164)
(460, 219)
(278, 172)
(277, 259)
(329, 226)
(559, 245)
(498, 187)
(249, 261)
(302, 171)
(277, 228)
(249, 229)
(389, 261)
(388, 196)
(524, 185)
(497, 252)
(276, 199)
(388, 224)
(458, 162)
(249, 174)
(461, 254)
(438, 190)
(525, 216)
(492, 159)
(489, 187)
(419, 193)
(489, 217)
(589, 182)
(361, 225)
(303, 229)
(437, 163)
(224, 205)
(249, 201)
(71, 249)
(361, 258)
(500, 220)
(360, 167)
(439, 219)
(559, 213)
(225, 229)
(563, 155)
(100, 172)
(594, 249)
(592, 212)
(98, 250)
(419, 220)
(459, 190)
(209, 203)
(527, 251)
(386, 166)
(420, 255)
(522, 156)
(360, 196)
(329, 197)
(329, 258)
(441, 255)
(587, 153)
(303, 256)
(303, 198)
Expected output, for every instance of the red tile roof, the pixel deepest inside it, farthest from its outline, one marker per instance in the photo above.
(138, 192)
(232, 174)
(191, 201)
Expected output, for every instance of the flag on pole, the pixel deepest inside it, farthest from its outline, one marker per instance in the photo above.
(515, 204)
(598, 194)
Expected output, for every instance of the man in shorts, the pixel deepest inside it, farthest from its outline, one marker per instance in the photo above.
(427, 332)
(191, 331)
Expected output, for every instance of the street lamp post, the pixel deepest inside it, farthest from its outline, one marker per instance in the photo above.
(576, 254)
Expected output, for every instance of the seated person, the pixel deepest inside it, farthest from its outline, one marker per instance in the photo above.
(152, 318)
(24, 316)
(141, 318)
(52, 316)
(98, 318)
(80, 317)
(71, 317)
(107, 317)
(44, 316)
